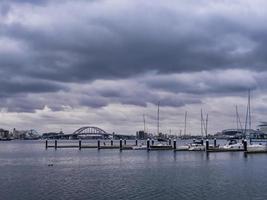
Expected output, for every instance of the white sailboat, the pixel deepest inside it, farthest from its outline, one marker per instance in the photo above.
(141, 146)
(199, 145)
(257, 148)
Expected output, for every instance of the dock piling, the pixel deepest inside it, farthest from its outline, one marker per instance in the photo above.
(46, 144)
(245, 145)
(111, 142)
(148, 144)
(207, 145)
(174, 144)
(120, 144)
(215, 142)
(136, 142)
(55, 144)
(98, 144)
(124, 142)
(80, 144)
(152, 142)
(170, 141)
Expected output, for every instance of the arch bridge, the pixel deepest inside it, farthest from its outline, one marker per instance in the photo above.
(90, 132)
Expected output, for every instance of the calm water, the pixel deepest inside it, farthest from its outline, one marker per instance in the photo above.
(111, 174)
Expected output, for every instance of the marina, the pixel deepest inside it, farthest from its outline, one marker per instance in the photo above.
(231, 146)
(111, 174)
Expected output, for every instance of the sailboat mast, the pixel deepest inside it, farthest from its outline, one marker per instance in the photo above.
(207, 119)
(249, 112)
(236, 112)
(239, 124)
(144, 117)
(185, 118)
(158, 119)
(201, 119)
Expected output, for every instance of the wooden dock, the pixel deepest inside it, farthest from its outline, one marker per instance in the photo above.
(164, 147)
(218, 150)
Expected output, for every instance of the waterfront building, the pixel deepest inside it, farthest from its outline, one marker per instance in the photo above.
(4, 133)
(263, 127)
(141, 135)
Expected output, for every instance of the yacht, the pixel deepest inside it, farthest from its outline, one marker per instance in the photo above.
(140, 147)
(257, 148)
(233, 144)
(196, 147)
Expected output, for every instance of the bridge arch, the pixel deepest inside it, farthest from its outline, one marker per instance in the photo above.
(92, 131)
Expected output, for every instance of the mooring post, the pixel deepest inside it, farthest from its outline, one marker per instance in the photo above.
(124, 142)
(111, 142)
(245, 145)
(215, 142)
(98, 144)
(46, 144)
(80, 144)
(148, 144)
(207, 145)
(170, 141)
(136, 142)
(174, 144)
(152, 142)
(120, 144)
(55, 144)
(202, 141)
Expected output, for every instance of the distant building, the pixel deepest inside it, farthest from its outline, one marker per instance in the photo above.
(25, 134)
(4, 133)
(263, 127)
(141, 135)
(52, 135)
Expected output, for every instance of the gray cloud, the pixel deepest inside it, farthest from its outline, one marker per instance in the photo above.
(91, 40)
(79, 55)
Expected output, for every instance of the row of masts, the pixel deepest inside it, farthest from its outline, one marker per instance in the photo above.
(204, 121)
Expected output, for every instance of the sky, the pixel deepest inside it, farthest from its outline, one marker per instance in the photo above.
(106, 63)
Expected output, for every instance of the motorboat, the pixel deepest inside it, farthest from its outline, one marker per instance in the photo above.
(160, 146)
(257, 148)
(140, 147)
(182, 148)
(196, 147)
(233, 145)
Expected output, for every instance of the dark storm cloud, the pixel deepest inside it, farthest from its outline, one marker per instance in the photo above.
(9, 86)
(184, 48)
(81, 40)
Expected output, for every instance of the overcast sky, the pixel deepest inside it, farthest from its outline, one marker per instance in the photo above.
(66, 64)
